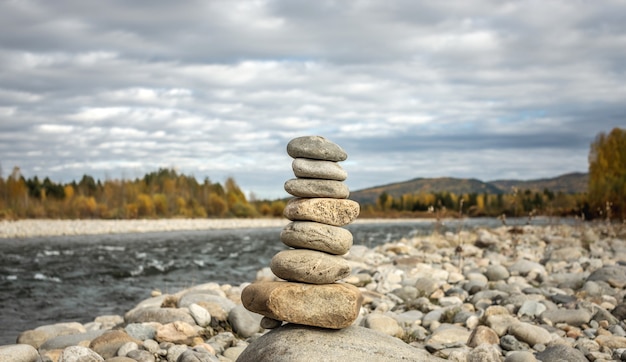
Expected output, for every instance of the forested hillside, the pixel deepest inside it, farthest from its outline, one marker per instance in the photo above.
(445, 196)
(160, 194)
(571, 183)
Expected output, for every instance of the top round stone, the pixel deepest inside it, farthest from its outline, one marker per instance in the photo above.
(317, 148)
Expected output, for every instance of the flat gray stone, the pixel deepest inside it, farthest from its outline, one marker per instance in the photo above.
(613, 274)
(336, 212)
(61, 342)
(326, 170)
(309, 266)
(529, 333)
(520, 356)
(244, 322)
(316, 236)
(573, 317)
(39, 335)
(560, 353)
(317, 148)
(18, 353)
(160, 315)
(306, 187)
(197, 296)
(140, 331)
(292, 342)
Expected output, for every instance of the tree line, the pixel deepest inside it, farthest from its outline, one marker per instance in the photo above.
(166, 193)
(160, 194)
(518, 203)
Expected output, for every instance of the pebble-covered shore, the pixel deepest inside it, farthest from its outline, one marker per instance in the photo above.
(49, 227)
(549, 293)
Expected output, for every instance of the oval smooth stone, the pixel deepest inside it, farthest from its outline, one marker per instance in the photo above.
(336, 212)
(306, 187)
(333, 306)
(326, 170)
(316, 236)
(315, 147)
(309, 266)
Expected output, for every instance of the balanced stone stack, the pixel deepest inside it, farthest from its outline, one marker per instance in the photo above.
(311, 294)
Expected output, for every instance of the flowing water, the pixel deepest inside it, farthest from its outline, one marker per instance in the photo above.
(47, 280)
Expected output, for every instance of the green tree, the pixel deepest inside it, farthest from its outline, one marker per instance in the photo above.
(607, 173)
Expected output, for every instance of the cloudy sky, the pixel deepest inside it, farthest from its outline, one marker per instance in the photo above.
(483, 89)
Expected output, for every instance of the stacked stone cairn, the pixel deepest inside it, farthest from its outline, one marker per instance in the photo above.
(310, 293)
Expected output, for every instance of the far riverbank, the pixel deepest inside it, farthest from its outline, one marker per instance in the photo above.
(48, 227)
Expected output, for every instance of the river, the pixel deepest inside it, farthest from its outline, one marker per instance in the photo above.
(45, 280)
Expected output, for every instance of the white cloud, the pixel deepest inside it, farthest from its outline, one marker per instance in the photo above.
(481, 88)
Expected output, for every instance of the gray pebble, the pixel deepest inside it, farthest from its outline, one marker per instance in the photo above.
(196, 356)
(141, 356)
(140, 331)
(496, 272)
(561, 353)
(573, 317)
(510, 343)
(244, 322)
(520, 356)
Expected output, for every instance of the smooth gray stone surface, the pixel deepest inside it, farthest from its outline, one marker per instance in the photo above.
(317, 148)
(309, 266)
(317, 236)
(319, 169)
(559, 353)
(293, 342)
(306, 187)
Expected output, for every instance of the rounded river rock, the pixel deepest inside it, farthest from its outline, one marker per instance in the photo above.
(332, 306)
(293, 342)
(317, 236)
(315, 147)
(336, 212)
(309, 266)
(306, 187)
(318, 169)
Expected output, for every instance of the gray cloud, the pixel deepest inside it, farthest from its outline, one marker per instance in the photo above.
(486, 89)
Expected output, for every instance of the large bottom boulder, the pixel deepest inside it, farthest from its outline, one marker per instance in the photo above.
(293, 342)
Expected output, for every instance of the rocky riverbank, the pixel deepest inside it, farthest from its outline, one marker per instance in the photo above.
(528, 293)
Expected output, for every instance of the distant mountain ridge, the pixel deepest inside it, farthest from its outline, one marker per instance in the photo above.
(575, 182)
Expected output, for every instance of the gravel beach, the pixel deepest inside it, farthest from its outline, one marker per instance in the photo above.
(48, 227)
(532, 293)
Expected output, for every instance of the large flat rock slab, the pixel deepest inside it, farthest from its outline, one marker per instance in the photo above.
(328, 305)
(293, 343)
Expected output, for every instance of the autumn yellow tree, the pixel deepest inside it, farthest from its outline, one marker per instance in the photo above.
(607, 174)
